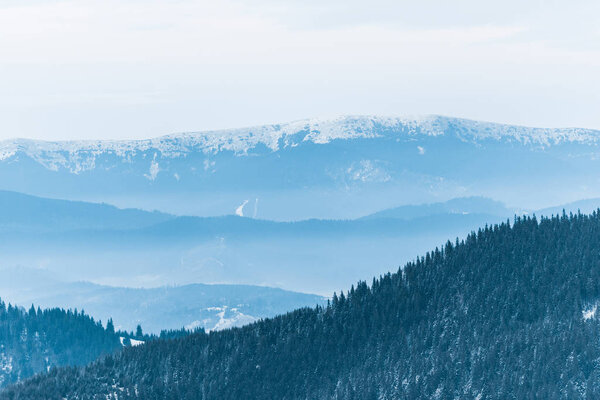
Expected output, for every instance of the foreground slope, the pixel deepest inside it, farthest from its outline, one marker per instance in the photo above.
(508, 313)
(37, 340)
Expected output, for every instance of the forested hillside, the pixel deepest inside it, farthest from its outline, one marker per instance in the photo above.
(510, 312)
(34, 341)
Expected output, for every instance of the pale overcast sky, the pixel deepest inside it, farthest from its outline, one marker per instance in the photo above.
(131, 69)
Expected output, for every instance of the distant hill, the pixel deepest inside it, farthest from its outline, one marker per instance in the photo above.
(461, 205)
(212, 307)
(37, 340)
(586, 206)
(24, 213)
(510, 312)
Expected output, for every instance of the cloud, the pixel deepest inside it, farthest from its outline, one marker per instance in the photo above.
(143, 68)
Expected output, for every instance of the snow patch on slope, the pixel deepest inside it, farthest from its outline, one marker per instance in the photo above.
(154, 169)
(225, 317)
(133, 342)
(6, 366)
(367, 171)
(240, 210)
(589, 312)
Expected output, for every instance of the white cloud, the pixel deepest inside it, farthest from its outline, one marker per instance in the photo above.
(135, 69)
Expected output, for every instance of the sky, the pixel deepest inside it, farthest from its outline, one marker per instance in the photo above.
(87, 69)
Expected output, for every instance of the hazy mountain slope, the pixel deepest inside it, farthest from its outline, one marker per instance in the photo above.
(585, 206)
(35, 341)
(155, 309)
(310, 256)
(21, 212)
(321, 168)
(508, 313)
(462, 205)
(73, 241)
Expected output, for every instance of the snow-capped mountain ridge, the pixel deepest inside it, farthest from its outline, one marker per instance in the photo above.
(79, 156)
(340, 167)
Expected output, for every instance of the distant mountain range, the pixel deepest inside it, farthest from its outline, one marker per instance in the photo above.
(337, 168)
